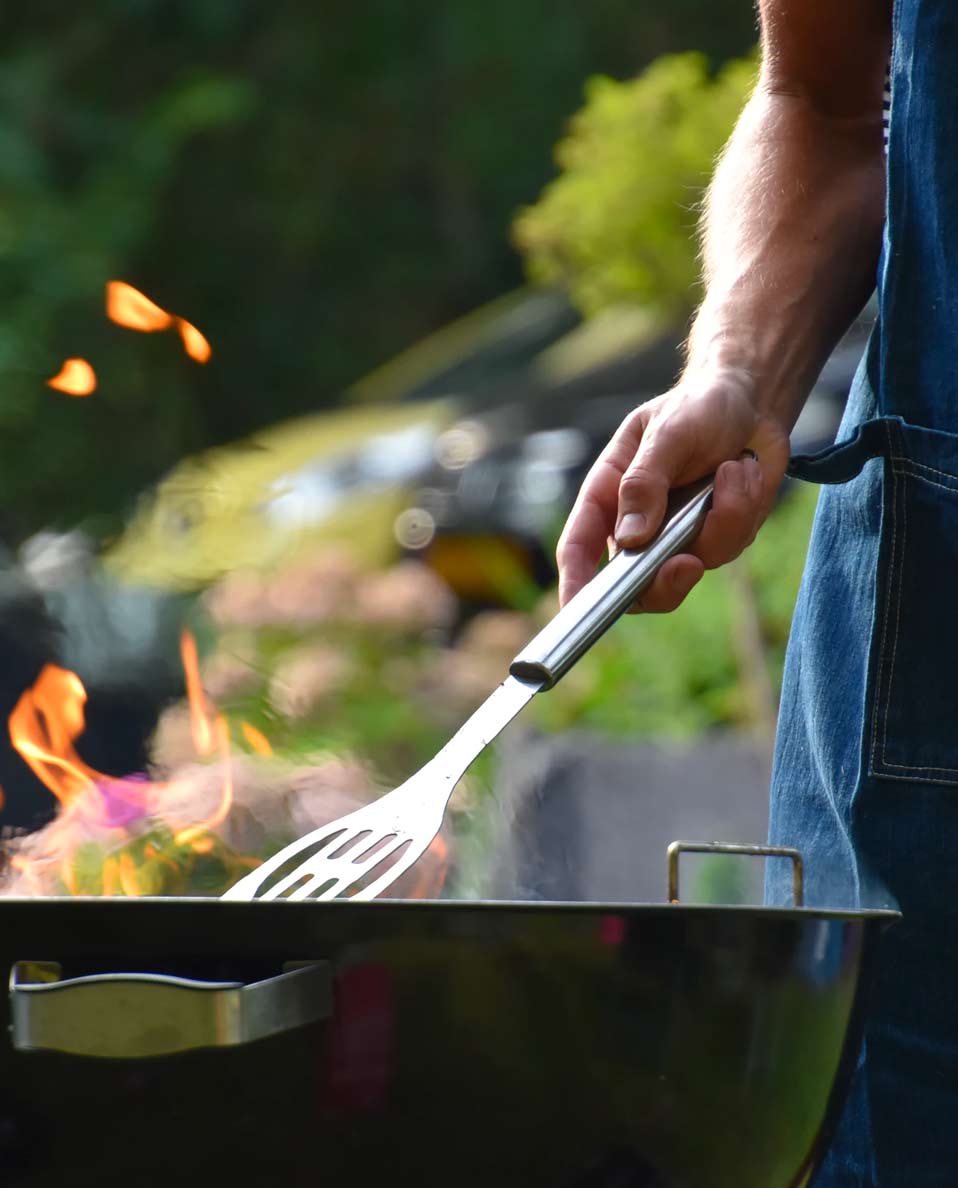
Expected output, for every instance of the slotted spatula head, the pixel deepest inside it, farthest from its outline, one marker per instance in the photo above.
(359, 855)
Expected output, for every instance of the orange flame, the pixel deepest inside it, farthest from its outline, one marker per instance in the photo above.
(43, 726)
(199, 709)
(256, 739)
(129, 880)
(76, 377)
(210, 732)
(432, 869)
(68, 874)
(195, 344)
(188, 836)
(129, 307)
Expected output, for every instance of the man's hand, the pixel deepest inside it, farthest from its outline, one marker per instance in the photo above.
(790, 246)
(701, 425)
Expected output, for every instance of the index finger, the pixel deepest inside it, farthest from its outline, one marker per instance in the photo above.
(590, 523)
(661, 462)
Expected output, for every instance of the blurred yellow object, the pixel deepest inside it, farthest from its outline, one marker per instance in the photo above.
(493, 568)
(334, 478)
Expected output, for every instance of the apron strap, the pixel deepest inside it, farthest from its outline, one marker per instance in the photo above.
(845, 459)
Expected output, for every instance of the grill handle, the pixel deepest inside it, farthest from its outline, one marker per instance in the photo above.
(679, 847)
(134, 1015)
(587, 616)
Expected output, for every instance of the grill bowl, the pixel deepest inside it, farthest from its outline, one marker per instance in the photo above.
(536, 1045)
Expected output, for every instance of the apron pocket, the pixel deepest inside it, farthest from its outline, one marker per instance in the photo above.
(913, 733)
(911, 729)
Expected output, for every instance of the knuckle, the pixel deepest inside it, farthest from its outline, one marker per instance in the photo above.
(626, 439)
(639, 479)
(566, 551)
(636, 420)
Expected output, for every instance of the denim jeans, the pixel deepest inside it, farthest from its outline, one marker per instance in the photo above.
(866, 770)
(866, 774)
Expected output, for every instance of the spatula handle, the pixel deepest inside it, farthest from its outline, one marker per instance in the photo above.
(612, 591)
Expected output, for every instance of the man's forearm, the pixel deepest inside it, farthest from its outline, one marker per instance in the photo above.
(792, 233)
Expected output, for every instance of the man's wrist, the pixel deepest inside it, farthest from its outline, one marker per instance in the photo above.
(763, 369)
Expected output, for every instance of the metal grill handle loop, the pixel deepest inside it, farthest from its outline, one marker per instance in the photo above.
(134, 1015)
(679, 847)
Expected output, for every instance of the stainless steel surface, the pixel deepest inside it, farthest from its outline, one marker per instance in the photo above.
(683, 847)
(133, 1015)
(586, 617)
(330, 860)
(399, 827)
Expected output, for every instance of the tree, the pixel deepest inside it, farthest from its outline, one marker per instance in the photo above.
(618, 224)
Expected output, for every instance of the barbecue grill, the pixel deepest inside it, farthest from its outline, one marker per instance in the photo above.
(549, 1045)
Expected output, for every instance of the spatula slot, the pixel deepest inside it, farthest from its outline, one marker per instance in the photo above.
(389, 859)
(378, 845)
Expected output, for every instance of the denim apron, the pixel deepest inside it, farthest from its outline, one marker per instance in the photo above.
(866, 769)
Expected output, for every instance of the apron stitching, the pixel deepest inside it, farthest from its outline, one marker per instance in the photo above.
(922, 466)
(880, 774)
(915, 767)
(920, 478)
(899, 581)
(884, 627)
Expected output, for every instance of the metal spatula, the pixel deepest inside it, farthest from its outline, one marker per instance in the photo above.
(361, 854)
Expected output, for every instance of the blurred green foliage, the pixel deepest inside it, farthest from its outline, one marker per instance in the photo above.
(618, 224)
(720, 878)
(313, 186)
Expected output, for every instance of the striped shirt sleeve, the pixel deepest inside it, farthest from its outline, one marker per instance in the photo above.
(886, 107)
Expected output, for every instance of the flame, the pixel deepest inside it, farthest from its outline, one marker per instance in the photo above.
(76, 377)
(152, 854)
(211, 733)
(195, 344)
(200, 716)
(130, 308)
(256, 739)
(432, 873)
(26, 868)
(189, 835)
(43, 726)
(68, 874)
(128, 876)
